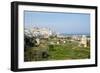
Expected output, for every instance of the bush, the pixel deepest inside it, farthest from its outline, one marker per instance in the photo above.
(51, 47)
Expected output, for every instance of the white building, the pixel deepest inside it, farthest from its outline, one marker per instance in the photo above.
(84, 41)
(39, 32)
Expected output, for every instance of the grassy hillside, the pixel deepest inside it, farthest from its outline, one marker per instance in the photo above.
(63, 51)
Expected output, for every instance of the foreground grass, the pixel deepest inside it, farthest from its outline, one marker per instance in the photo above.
(67, 51)
(61, 52)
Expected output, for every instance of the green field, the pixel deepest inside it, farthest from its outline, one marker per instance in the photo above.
(62, 51)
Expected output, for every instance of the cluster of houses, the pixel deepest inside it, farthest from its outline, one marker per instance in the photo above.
(46, 33)
(83, 40)
(38, 32)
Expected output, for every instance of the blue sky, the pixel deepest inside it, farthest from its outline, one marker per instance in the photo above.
(69, 23)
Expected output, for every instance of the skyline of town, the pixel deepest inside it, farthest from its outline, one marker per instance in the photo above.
(70, 23)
